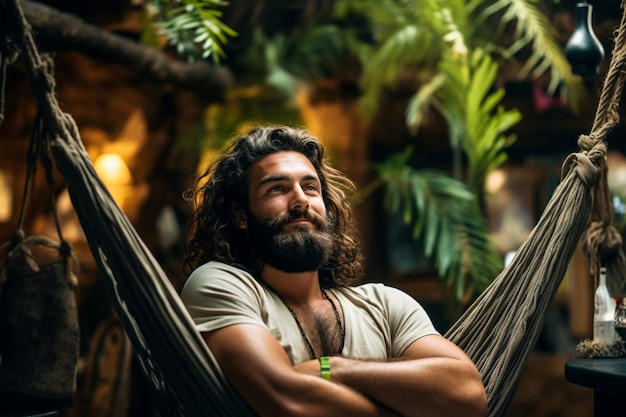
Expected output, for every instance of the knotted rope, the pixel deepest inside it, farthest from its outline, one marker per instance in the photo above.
(602, 242)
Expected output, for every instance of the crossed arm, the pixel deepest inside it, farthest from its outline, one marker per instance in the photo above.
(432, 378)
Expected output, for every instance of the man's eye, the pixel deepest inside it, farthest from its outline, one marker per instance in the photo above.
(310, 187)
(276, 188)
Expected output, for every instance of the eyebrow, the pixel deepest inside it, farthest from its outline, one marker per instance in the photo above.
(279, 177)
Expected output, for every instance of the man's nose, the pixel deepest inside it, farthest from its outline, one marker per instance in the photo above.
(300, 200)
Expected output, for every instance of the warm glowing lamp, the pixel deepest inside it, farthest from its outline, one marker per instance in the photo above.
(6, 196)
(496, 180)
(112, 169)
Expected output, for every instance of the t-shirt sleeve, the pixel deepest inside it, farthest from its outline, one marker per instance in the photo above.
(218, 296)
(408, 320)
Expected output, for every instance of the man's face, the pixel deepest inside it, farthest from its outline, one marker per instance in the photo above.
(286, 219)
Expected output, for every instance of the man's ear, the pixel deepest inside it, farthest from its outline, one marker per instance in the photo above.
(241, 220)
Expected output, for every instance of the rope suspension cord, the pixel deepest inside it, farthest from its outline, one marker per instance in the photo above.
(602, 243)
(607, 116)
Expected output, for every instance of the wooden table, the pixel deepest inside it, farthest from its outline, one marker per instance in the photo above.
(607, 378)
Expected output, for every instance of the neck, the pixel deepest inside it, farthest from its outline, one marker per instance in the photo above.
(295, 288)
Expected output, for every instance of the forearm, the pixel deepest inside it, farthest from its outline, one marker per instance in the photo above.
(312, 396)
(417, 387)
(260, 370)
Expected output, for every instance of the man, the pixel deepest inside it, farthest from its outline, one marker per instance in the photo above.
(275, 259)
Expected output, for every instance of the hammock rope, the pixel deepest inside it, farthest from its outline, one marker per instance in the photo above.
(498, 331)
(602, 243)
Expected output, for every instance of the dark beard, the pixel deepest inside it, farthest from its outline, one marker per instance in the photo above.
(304, 249)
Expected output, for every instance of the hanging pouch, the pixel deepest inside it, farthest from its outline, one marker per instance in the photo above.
(39, 333)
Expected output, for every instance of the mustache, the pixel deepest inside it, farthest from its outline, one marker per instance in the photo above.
(320, 221)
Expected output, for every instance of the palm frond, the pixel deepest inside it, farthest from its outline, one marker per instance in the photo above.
(443, 213)
(486, 121)
(532, 28)
(477, 123)
(452, 96)
(292, 61)
(409, 39)
(411, 46)
(193, 27)
(422, 101)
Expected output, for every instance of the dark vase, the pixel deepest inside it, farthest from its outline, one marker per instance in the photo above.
(583, 49)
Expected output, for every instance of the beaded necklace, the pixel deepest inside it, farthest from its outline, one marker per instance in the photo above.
(309, 345)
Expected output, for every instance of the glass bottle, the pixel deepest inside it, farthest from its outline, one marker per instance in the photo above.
(603, 312)
(620, 318)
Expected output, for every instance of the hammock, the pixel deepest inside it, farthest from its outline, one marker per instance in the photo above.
(498, 331)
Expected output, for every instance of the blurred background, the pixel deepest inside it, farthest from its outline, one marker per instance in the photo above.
(448, 115)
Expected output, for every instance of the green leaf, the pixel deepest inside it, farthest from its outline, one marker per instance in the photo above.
(193, 27)
(445, 215)
(421, 102)
(534, 30)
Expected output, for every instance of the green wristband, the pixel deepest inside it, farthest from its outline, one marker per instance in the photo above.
(325, 367)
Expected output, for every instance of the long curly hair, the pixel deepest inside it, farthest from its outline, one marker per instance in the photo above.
(222, 189)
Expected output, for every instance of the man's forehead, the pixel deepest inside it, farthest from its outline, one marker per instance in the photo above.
(282, 165)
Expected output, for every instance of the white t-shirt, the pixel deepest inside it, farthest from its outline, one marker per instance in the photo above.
(380, 321)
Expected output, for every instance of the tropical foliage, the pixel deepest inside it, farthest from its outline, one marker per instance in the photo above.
(192, 26)
(454, 58)
(450, 53)
(445, 213)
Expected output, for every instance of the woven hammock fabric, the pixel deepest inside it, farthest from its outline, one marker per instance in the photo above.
(498, 331)
(171, 353)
